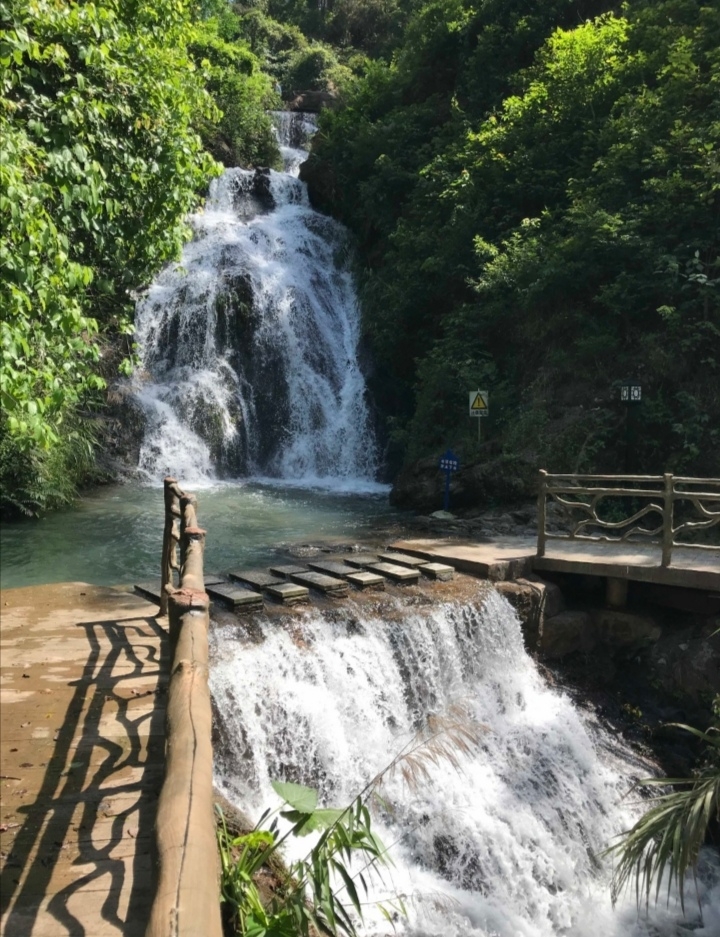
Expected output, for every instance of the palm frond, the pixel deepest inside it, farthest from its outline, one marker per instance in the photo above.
(444, 738)
(667, 838)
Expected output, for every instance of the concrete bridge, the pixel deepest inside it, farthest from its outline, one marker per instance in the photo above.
(652, 529)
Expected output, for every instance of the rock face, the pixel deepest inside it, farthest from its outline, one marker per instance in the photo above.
(534, 600)
(688, 658)
(567, 632)
(321, 183)
(311, 100)
(420, 486)
(122, 430)
(579, 630)
(625, 629)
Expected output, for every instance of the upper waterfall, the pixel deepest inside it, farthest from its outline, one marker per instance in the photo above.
(250, 345)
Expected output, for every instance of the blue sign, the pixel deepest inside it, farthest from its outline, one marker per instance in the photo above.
(449, 463)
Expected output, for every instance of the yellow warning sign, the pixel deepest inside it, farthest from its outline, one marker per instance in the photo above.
(479, 403)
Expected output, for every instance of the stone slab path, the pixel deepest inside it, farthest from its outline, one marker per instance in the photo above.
(81, 759)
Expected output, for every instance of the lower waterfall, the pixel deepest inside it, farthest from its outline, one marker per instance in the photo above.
(508, 846)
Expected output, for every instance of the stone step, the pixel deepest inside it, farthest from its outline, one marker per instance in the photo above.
(235, 597)
(403, 559)
(256, 578)
(363, 579)
(287, 571)
(288, 592)
(328, 585)
(360, 560)
(399, 574)
(149, 590)
(438, 571)
(212, 579)
(332, 567)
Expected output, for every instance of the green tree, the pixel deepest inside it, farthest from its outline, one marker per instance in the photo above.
(535, 202)
(240, 132)
(100, 165)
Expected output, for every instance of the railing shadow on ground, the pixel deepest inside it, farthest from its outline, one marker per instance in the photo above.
(73, 789)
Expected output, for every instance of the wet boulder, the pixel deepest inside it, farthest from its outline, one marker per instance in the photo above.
(625, 629)
(567, 632)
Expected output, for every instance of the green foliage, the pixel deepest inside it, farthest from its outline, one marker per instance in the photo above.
(372, 27)
(272, 41)
(34, 480)
(100, 164)
(307, 899)
(241, 133)
(534, 195)
(308, 67)
(665, 843)
(299, 63)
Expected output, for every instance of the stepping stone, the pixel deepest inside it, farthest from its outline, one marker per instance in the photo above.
(362, 579)
(400, 574)
(332, 568)
(438, 571)
(403, 559)
(149, 590)
(360, 560)
(237, 598)
(212, 579)
(287, 571)
(288, 593)
(256, 578)
(328, 585)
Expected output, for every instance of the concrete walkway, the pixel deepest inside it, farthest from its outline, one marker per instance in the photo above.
(512, 557)
(82, 757)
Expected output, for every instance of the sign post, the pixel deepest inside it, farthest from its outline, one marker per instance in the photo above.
(479, 404)
(449, 463)
(631, 396)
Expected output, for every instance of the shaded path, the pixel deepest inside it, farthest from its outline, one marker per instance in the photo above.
(82, 758)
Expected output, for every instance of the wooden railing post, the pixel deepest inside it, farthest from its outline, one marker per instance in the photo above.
(188, 518)
(168, 549)
(667, 530)
(542, 512)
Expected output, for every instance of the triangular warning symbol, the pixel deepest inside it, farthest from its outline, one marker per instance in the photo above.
(478, 403)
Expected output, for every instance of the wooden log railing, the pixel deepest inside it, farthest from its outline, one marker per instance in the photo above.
(187, 899)
(658, 520)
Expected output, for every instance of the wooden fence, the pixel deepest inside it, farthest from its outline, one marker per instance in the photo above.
(663, 509)
(187, 900)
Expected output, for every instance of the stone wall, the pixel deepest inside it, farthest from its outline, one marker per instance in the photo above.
(679, 651)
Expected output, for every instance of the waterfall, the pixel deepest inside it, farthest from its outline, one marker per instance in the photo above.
(250, 345)
(508, 846)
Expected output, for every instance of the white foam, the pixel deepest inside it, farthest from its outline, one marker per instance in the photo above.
(507, 846)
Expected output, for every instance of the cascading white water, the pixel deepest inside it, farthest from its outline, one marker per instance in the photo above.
(509, 846)
(250, 346)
